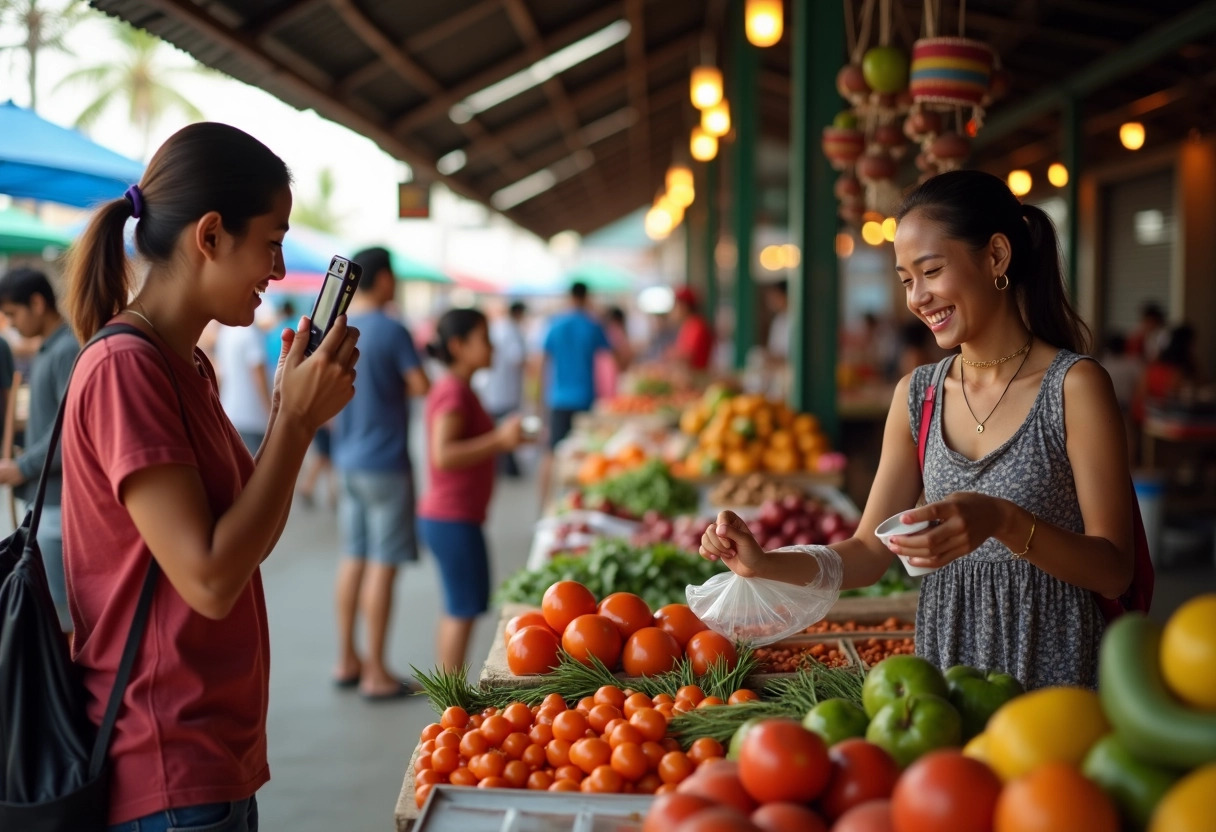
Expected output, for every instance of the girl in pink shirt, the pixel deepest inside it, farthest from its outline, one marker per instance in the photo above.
(463, 444)
(148, 481)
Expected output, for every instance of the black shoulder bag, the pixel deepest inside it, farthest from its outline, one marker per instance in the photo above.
(53, 772)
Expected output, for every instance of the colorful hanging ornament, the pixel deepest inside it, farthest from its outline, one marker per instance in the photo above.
(843, 145)
(951, 72)
(949, 150)
(851, 84)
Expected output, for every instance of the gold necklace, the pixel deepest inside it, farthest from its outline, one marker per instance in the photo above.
(979, 426)
(994, 362)
(139, 314)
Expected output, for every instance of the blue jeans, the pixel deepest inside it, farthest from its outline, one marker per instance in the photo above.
(239, 816)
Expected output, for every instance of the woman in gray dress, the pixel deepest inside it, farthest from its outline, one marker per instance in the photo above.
(1026, 476)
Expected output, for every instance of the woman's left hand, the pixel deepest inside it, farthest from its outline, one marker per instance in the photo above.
(960, 524)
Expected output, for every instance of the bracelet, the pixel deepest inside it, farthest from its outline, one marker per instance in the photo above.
(1022, 553)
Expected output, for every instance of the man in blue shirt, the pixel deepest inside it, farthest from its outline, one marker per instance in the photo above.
(570, 346)
(376, 502)
(28, 301)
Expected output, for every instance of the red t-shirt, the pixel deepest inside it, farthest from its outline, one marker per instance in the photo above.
(192, 728)
(461, 494)
(695, 342)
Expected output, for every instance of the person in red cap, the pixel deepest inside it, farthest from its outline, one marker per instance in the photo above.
(695, 340)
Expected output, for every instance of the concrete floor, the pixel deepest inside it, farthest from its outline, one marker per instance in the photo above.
(337, 762)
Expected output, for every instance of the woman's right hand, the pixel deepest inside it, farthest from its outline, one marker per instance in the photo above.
(510, 433)
(315, 388)
(730, 541)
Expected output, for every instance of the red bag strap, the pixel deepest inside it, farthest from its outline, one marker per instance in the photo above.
(926, 410)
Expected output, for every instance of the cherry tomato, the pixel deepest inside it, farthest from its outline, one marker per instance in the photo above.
(570, 725)
(455, 717)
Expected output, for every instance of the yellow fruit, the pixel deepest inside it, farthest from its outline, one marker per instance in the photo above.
(1188, 806)
(977, 749)
(1049, 725)
(1188, 652)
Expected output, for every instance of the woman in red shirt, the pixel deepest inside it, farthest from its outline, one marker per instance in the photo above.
(463, 446)
(146, 479)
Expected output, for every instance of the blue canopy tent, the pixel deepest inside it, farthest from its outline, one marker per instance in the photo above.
(43, 161)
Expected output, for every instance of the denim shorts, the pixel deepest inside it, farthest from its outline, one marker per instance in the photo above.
(238, 816)
(376, 516)
(464, 564)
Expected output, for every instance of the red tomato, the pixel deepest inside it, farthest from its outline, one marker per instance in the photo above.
(669, 809)
(565, 601)
(706, 648)
(945, 789)
(649, 652)
(782, 761)
(532, 618)
(717, 819)
(603, 780)
(519, 715)
(679, 621)
(590, 753)
(570, 725)
(871, 816)
(540, 781)
(787, 817)
(610, 695)
(651, 724)
(473, 743)
(629, 761)
(593, 635)
(532, 651)
(627, 611)
(496, 729)
(742, 695)
(719, 781)
(861, 771)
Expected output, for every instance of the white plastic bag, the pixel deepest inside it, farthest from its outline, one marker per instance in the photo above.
(760, 611)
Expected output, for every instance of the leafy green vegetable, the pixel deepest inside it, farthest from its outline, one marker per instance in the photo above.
(659, 573)
(649, 487)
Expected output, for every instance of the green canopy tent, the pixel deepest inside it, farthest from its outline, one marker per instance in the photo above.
(22, 233)
(407, 268)
(602, 278)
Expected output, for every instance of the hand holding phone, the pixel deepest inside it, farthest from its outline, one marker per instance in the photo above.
(333, 299)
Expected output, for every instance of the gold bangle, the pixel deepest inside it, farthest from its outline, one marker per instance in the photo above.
(1022, 553)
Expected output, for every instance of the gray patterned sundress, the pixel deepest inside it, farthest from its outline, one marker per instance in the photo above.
(989, 609)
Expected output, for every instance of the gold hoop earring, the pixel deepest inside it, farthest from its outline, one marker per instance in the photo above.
(999, 286)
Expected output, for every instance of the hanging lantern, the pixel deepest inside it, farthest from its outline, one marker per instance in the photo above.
(851, 84)
(951, 72)
(764, 22)
(843, 145)
(715, 120)
(847, 186)
(949, 151)
(876, 167)
(705, 86)
(702, 146)
(891, 139)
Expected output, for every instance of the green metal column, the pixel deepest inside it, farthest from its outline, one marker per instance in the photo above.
(711, 243)
(1073, 135)
(690, 248)
(818, 51)
(745, 60)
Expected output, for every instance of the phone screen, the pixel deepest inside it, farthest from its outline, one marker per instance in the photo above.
(331, 290)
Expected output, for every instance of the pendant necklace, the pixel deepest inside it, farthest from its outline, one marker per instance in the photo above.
(979, 425)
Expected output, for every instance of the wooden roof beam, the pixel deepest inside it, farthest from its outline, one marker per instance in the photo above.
(439, 105)
(392, 56)
(261, 27)
(636, 73)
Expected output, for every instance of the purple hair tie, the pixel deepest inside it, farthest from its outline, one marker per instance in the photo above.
(136, 197)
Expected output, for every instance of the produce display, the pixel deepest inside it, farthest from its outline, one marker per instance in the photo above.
(742, 492)
(788, 659)
(619, 632)
(887, 625)
(647, 487)
(643, 403)
(874, 650)
(658, 573)
(597, 467)
(799, 522)
(746, 434)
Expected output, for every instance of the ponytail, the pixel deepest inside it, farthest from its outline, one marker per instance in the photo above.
(973, 206)
(98, 273)
(1042, 295)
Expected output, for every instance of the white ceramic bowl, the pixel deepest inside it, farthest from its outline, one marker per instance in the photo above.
(891, 527)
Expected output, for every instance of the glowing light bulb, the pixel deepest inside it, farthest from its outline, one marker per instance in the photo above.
(1019, 182)
(702, 146)
(715, 120)
(705, 86)
(871, 232)
(1132, 135)
(764, 22)
(1057, 175)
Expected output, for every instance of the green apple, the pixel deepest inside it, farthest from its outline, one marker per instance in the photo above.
(885, 69)
(1135, 787)
(736, 740)
(835, 720)
(845, 120)
(899, 676)
(915, 725)
(977, 695)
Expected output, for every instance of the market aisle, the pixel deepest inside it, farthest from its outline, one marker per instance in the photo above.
(337, 762)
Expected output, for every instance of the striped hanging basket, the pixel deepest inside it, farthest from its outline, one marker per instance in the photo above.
(950, 72)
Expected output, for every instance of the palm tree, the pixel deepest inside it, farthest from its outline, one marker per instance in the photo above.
(139, 79)
(45, 28)
(318, 213)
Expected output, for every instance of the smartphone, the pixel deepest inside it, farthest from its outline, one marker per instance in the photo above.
(333, 299)
(531, 426)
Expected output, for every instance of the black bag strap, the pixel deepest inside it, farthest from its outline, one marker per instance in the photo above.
(139, 623)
